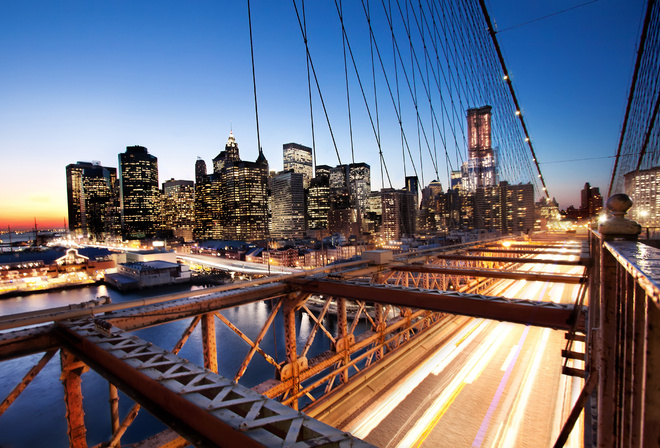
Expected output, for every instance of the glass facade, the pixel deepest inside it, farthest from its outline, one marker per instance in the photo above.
(139, 193)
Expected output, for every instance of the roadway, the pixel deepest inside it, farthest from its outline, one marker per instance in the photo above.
(493, 384)
(244, 267)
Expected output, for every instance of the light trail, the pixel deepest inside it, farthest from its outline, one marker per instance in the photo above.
(426, 423)
(433, 365)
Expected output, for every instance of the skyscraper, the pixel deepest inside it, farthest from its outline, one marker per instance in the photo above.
(592, 201)
(318, 203)
(178, 208)
(480, 170)
(287, 205)
(233, 201)
(138, 188)
(299, 159)
(91, 197)
(643, 187)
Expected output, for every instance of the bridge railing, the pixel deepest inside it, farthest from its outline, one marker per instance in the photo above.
(624, 336)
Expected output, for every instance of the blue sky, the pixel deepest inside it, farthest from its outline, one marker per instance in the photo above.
(82, 80)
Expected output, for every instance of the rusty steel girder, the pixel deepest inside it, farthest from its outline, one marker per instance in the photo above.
(491, 273)
(528, 312)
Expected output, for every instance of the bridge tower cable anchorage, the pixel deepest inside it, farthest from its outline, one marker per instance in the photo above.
(507, 78)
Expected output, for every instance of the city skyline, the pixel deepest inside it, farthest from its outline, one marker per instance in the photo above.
(83, 93)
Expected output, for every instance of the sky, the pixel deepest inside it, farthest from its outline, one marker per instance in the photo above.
(80, 81)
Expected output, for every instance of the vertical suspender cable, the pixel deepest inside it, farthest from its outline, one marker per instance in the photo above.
(254, 78)
(309, 91)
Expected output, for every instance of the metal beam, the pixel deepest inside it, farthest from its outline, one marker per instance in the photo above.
(209, 409)
(492, 273)
(189, 307)
(528, 312)
(527, 251)
(580, 262)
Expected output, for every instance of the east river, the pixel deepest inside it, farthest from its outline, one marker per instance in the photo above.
(36, 418)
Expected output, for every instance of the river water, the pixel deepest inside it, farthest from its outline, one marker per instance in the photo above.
(36, 418)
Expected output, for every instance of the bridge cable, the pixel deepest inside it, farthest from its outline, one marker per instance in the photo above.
(254, 79)
(309, 91)
(316, 79)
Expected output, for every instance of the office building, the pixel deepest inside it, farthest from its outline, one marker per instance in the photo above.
(592, 201)
(178, 208)
(481, 169)
(318, 203)
(643, 187)
(138, 189)
(92, 200)
(298, 158)
(398, 214)
(287, 201)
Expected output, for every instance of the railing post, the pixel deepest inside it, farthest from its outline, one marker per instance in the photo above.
(611, 355)
(209, 344)
(652, 383)
(606, 360)
(72, 369)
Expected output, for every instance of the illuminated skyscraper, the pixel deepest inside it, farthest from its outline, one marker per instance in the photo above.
(287, 205)
(91, 198)
(299, 159)
(480, 170)
(643, 187)
(592, 201)
(398, 217)
(138, 188)
(178, 208)
(318, 203)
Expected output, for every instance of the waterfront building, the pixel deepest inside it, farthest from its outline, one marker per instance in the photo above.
(643, 187)
(144, 274)
(298, 158)
(287, 201)
(138, 189)
(92, 199)
(178, 208)
(481, 168)
(591, 201)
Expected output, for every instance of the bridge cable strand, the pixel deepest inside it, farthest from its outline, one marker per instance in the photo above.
(643, 90)
(316, 80)
(254, 78)
(309, 92)
(513, 94)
